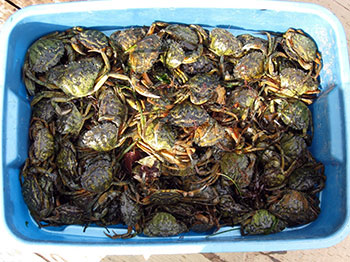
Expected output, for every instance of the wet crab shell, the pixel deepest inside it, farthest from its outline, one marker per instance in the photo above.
(70, 123)
(239, 167)
(44, 143)
(125, 39)
(223, 43)
(77, 78)
(164, 224)
(262, 222)
(182, 33)
(98, 174)
(44, 54)
(145, 54)
(187, 114)
(250, 66)
(295, 83)
(294, 208)
(92, 39)
(102, 137)
(297, 44)
(159, 136)
(131, 212)
(294, 114)
(111, 108)
(40, 203)
(202, 88)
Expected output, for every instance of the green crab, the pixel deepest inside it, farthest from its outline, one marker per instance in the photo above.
(163, 225)
(43, 146)
(102, 137)
(187, 114)
(301, 48)
(97, 175)
(200, 89)
(292, 83)
(41, 56)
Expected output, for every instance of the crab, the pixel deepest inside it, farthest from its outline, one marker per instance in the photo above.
(209, 133)
(67, 164)
(262, 222)
(38, 190)
(250, 67)
(294, 207)
(144, 54)
(187, 114)
(159, 140)
(183, 38)
(111, 107)
(97, 175)
(238, 168)
(67, 214)
(77, 78)
(131, 213)
(294, 113)
(223, 43)
(92, 41)
(164, 224)
(300, 47)
(43, 142)
(102, 137)
(200, 89)
(71, 122)
(41, 56)
(292, 83)
(125, 39)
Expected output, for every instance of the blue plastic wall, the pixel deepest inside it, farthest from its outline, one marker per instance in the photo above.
(329, 144)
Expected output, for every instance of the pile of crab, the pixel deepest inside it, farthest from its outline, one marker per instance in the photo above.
(171, 128)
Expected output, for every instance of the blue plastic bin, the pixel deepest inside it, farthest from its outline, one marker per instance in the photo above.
(331, 115)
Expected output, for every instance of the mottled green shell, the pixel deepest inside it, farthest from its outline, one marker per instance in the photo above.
(293, 145)
(242, 99)
(163, 225)
(70, 123)
(44, 110)
(239, 167)
(209, 134)
(187, 114)
(111, 108)
(67, 214)
(182, 33)
(202, 88)
(145, 54)
(44, 54)
(77, 78)
(175, 55)
(165, 197)
(92, 39)
(222, 42)
(294, 114)
(296, 83)
(39, 202)
(43, 145)
(250, 66)
(66, 159)
(262, 222)
(125, 39)
(131, 212)
(294, 208)
(103, 137)
(302, 45)
(97, 176)
(159, 136)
